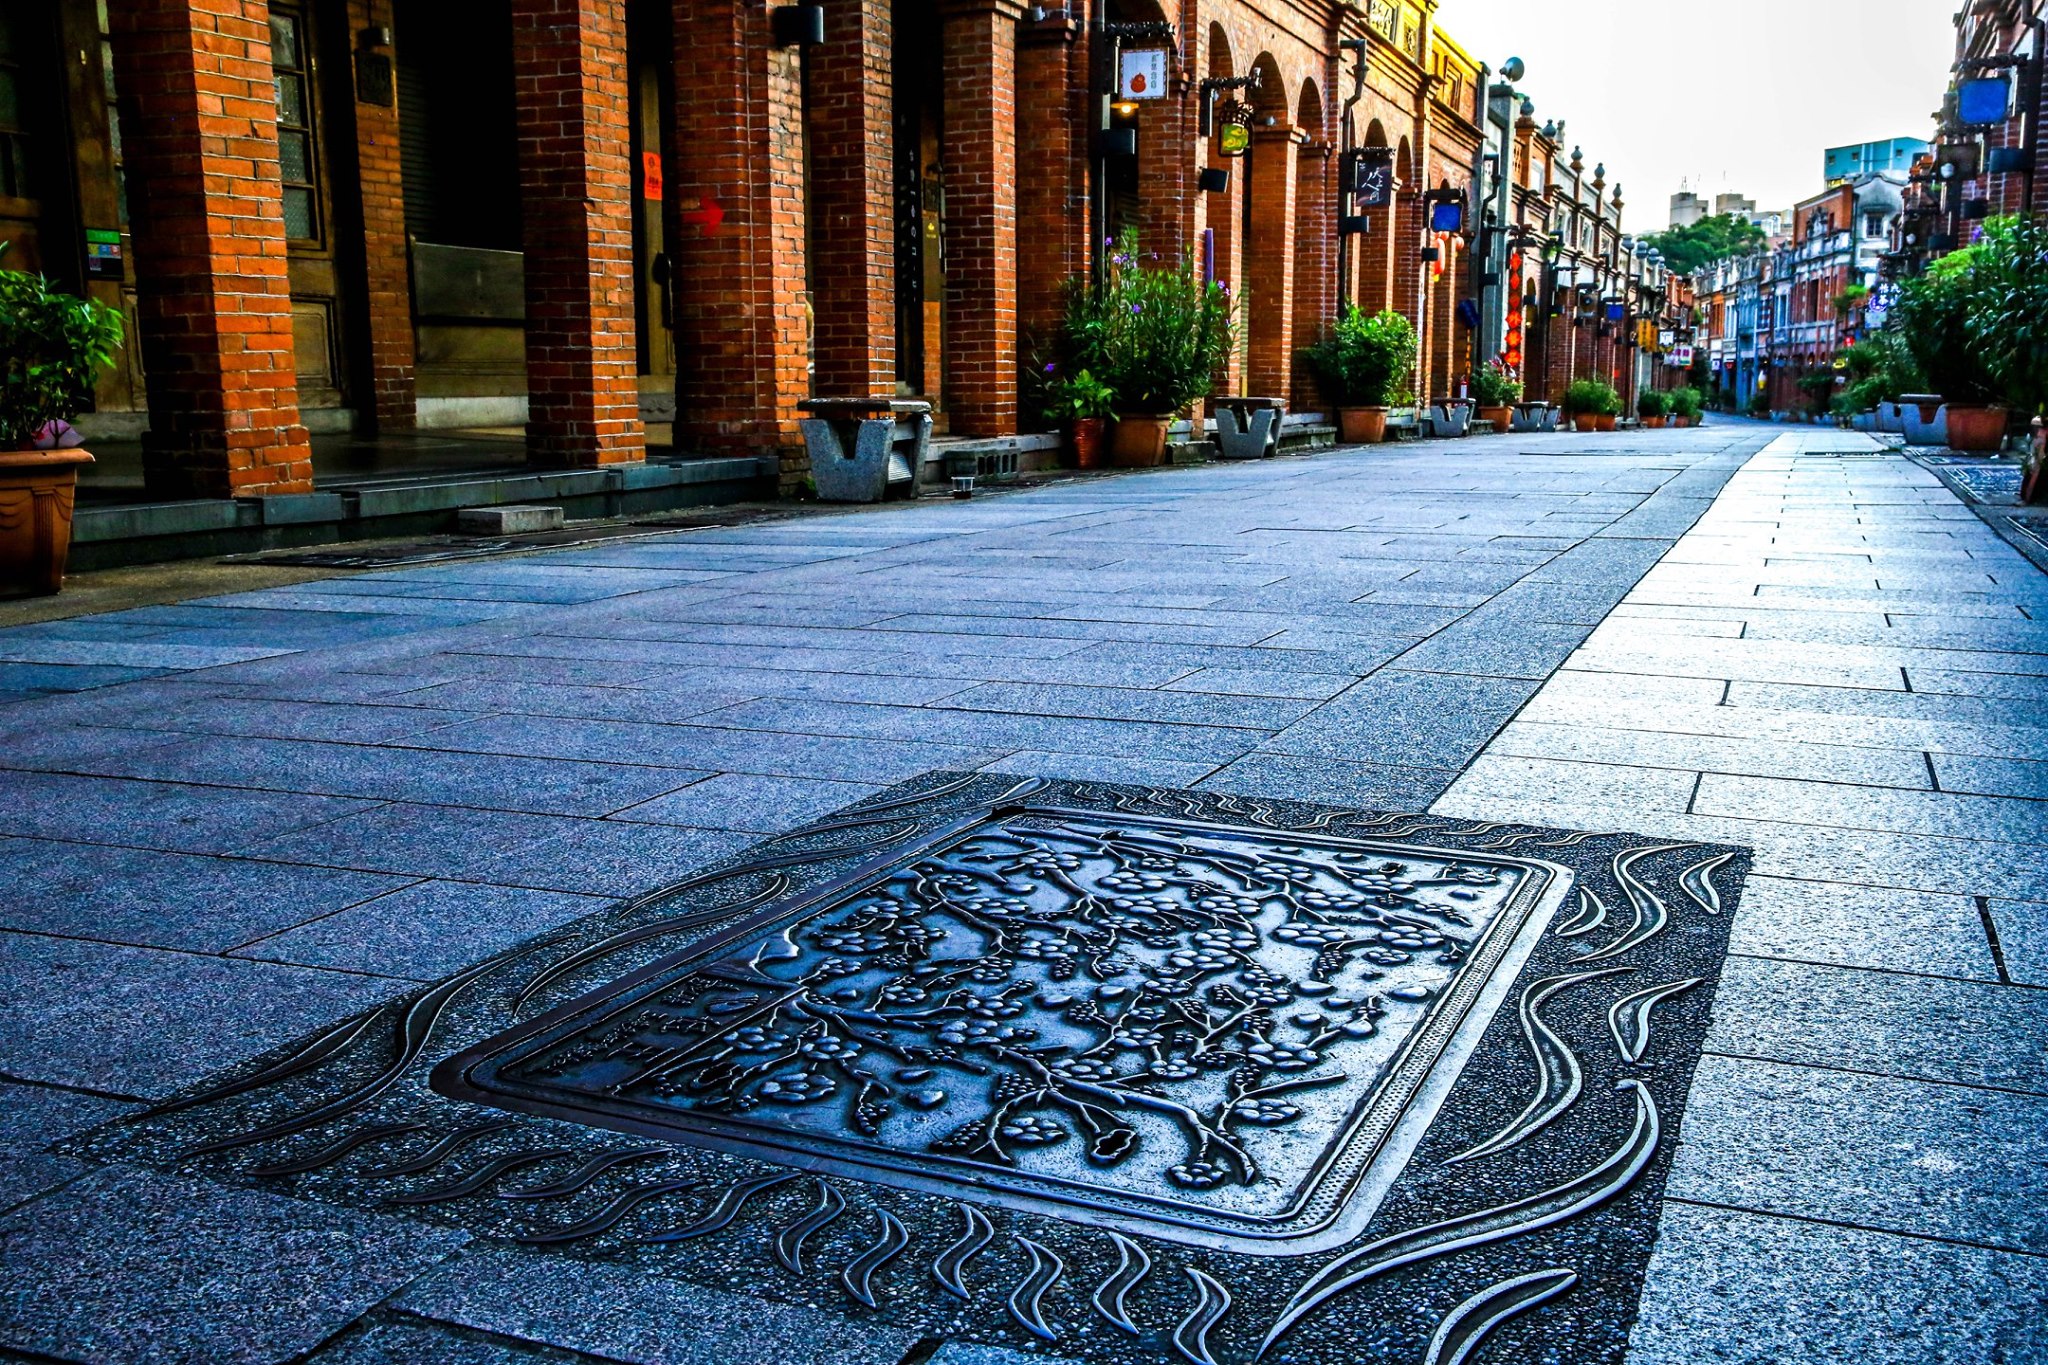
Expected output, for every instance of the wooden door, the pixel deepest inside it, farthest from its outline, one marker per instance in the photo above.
(308, 216)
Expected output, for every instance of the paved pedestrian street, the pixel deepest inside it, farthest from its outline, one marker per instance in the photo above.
(1571, 897)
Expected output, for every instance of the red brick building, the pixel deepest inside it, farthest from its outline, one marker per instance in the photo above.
(591, 216)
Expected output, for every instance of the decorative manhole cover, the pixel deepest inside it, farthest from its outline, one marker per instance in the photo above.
(1113, 1072)
(1194, 1031)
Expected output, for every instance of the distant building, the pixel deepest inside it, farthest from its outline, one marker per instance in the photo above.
(1735, 204)
(1868, 158)
(1687, 208)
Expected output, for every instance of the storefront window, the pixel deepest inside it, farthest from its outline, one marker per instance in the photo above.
(294, 125)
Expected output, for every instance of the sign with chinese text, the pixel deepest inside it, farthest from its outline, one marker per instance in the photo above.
(1141, 75)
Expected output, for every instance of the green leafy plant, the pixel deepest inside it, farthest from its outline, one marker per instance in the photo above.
(1652, 403)
(1760, 403)
(1591, 396)
(1819, 390)
(1496, 386)
(2004, 318)
(1688, 403)
(1363, 361)
(1851, 298)
(1933, 314)
(1078, 396)
(1154, 335)
(1879, 369)
(53, 347)
(1711, 239)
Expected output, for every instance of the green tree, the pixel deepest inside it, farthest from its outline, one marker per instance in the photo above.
(1711, 239)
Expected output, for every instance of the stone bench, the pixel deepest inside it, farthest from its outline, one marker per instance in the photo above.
(1248, 428)
(864, 449)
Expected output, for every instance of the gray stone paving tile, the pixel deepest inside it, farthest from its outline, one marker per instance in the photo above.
(988, 729)
(2018, 687)
(356, 723)
(165, 900)
(625, 1314)
(425, 931)
(34, 678)
(1760, 661)
(1904, 812)
(2023, 938)
(1618, 797)
(33, 1117)
(1591, 743)
(127, 653)
(142, 1022)
(611, 857)
(25, 1175)
(485, 696)
(1984, 776)
(1489, 649)
(1263, 682)
(409, 1342)
(706, 749)
(1872, 1151)
(415, 840)
(1376, 786)
(508, 779)
(1912, 1027)
(1122, 703)
(1158, 772)
(1747, 1289)
(1862, 926)
(1855, 701)
(1409, 719)
(749, 802)
(155, 814)
(133, 1266)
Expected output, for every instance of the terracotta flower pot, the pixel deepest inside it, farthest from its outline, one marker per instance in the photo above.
(1085, 437)
(1975, 428)
(1139, 439)
(1585, 421)
(36, 492)
(1656, 423)
(1361, 426)
(1502, 417)
(1609, 421)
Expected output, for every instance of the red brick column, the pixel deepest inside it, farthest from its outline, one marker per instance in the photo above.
(1409, 273)
(392, 403)
(1052, 234)
(853, 232)
(1315, 257)
(1269, 262)
(980, 46)
(569, 73)
(735, 234)
(199, 120)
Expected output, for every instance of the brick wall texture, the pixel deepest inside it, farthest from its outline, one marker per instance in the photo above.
(780, 208)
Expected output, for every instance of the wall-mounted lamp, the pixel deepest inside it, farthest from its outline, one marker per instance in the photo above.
(797, 25)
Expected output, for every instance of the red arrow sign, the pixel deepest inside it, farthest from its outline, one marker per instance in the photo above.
(706, 213)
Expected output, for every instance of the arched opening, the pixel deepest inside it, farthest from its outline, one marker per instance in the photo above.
(1373, 250)
(1315, 275)
(1224, 210)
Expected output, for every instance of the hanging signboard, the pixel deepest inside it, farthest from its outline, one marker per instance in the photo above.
(1234, 128)
(1681, 357)
(1141, 75)
(1372, 177)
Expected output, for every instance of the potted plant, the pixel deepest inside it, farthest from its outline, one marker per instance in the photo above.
(1497, 390)
(2009, 288)
(1760, 404)
(1934, 312)
(1651, 406)
(1610, 408)
(1360, 365)
(1157, 335)
(53, 346)
(1584, 401)
(1081, 404)
(1687, 406)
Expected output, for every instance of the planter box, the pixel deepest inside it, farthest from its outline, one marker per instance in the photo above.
(37, 490)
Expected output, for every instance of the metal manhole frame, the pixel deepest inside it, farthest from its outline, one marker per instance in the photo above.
(1332, 1203)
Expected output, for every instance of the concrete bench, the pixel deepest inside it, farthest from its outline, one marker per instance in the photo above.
(1248, 428)
(864, 449)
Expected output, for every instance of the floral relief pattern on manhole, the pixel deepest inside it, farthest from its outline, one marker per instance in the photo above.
(1199, 1031)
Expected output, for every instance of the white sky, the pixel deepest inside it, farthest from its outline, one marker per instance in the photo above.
(1731, 95)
